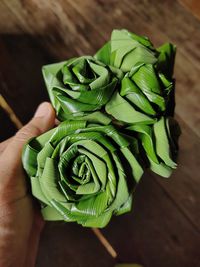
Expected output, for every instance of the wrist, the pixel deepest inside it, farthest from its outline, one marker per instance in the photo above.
(14, 233)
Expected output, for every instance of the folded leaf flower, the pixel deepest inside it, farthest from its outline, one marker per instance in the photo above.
(79, 86)
(145, 92)
(143, 96)
(159, 142)
(115, 108)
(126, 50)
(82, 172)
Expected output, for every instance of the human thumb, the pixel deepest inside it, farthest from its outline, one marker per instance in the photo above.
(11, 175)
(42, 121)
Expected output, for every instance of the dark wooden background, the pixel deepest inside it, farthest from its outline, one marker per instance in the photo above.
(164, 228)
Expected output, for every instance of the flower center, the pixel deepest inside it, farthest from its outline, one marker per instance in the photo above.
(80, 170)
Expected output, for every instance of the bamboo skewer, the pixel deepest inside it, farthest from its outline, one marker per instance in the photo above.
(13, 117)
(105, 242)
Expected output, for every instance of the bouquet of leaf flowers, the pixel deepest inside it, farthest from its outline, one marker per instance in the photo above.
(116, 112)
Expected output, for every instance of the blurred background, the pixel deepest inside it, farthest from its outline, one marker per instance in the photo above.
(164, 228)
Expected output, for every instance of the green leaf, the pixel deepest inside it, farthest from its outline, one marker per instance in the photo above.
(37, 191)
(162, 143)
(155, 142)
(126, 207)
(99, 222)
(51, 214)
(166, 59)
(29, 159)
(145, 135)
(146, 79)
(129, 49)
(49, 182)
(103, 54)
(49, 74)
(136, 168)
(121, 110)
(79, 86)
(130, 91)
(160, 168)
(125, 50)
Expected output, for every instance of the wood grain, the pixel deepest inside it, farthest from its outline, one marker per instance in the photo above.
(155, 233)
(21, 84)
(183, 188)
(72, 246)
(193, 6)
(164, 227)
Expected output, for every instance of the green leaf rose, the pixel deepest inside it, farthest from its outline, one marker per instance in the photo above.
(143, 96)
(145, 92)
(126, 50)
(82, 172)
(79, 86)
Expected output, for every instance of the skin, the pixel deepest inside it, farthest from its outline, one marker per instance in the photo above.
(20, 220)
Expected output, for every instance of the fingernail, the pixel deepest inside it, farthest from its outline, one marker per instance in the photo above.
(43, 110)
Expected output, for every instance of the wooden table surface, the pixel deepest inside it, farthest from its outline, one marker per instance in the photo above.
(163, 230)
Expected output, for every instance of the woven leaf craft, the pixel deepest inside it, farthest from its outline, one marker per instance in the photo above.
(116, 110)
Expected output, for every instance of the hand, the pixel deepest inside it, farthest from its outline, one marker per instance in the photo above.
(20, 219)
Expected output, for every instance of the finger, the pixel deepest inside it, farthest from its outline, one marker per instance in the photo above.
(10, 159)
(42, 121)
(4, 144)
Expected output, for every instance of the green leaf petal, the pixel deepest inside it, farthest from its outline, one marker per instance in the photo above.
(166, 59)
(160, 168)
(162, 143)
(51, 214)
(99, 222)
(125, 207)
(48, 181)
(79, 86)
(135, 95)
(37, 191)
(103, 54)
(121, 110)
(145, 134)
(29, 158)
